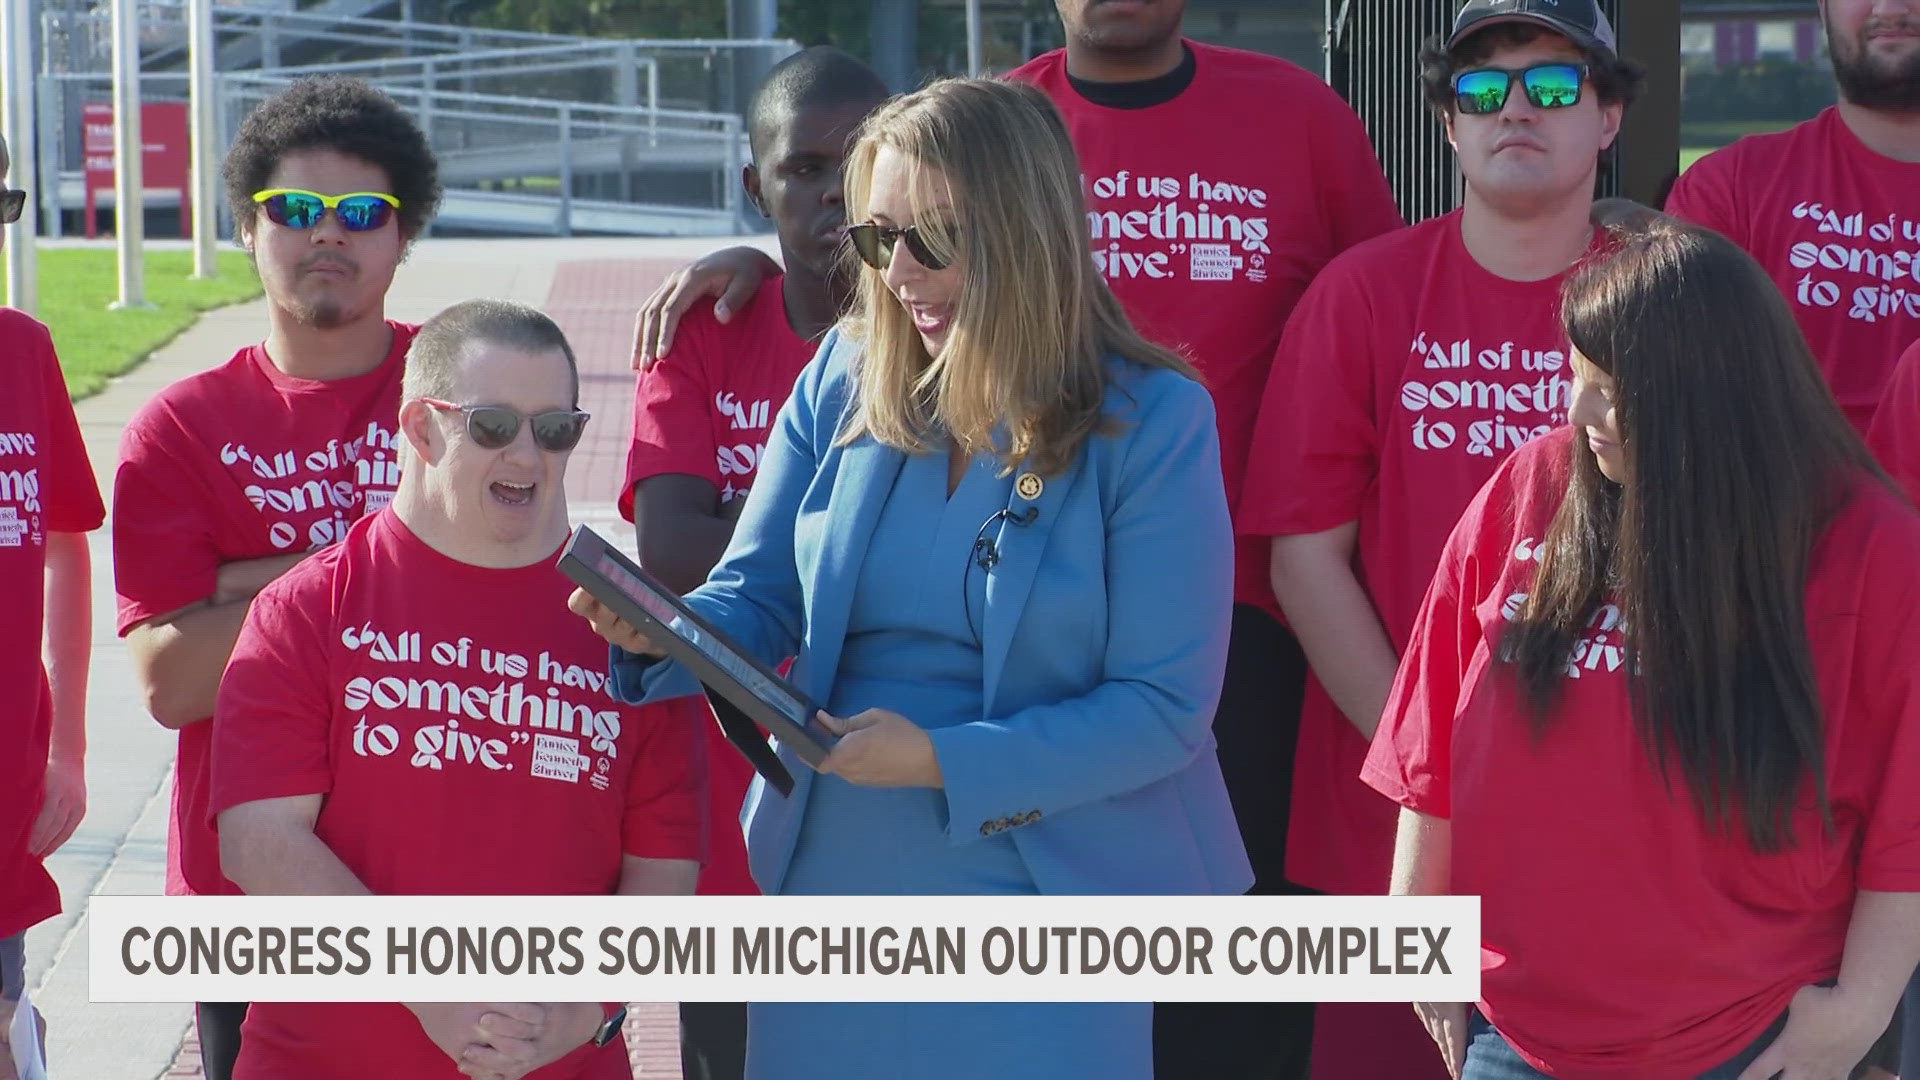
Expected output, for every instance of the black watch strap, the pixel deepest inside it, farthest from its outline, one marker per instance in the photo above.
(609, 1029)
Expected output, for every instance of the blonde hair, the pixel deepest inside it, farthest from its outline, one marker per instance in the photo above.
(1034, 324)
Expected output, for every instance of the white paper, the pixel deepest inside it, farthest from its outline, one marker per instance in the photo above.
(24, 1034)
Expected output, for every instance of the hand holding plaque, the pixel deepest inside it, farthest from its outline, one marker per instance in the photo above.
(630, 607)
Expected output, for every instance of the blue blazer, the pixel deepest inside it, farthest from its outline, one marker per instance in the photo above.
(1104, 637)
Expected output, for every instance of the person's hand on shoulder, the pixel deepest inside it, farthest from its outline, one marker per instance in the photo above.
(732, 275)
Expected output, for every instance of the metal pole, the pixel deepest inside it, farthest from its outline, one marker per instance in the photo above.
(976, 52)
(16, 82)
(204, 138)
(1648, 157)
(566, 171)
(626, 92)
(653, 102)
(49, 147)
(129, 197)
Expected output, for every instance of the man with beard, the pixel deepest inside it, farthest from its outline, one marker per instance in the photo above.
(230, 477)
(1832, 207)
(1208, 237)
(701, 419)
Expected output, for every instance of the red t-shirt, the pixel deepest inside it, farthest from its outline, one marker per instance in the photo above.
(1407, 374)
(46, 485)
(1895, 436)
(459, 753)
(1208, 235)
(1837, 227)
(239, 462)
(1621, 937)
(705, 409)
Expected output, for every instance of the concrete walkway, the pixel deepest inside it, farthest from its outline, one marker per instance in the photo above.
(590, 287)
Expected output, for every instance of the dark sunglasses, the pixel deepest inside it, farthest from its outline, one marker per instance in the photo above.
(494, 426)
(360, 211)
(1548, 86)
(12, 202)
(874, 244)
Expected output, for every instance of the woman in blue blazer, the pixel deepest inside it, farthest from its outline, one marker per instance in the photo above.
(990, 527)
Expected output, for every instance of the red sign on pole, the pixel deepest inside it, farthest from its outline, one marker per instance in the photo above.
(164, 162)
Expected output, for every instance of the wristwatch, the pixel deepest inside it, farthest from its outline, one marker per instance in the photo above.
(609, 1028)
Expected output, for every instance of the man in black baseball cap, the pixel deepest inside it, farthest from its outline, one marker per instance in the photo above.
(1579, 21)
(1414, 364)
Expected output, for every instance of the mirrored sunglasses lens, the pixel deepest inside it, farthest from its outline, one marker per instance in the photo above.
(492, 427)
(363, 213)
(295, 211)
(1555, 86)
(1482, 91)
(12, 203)
(558, 431)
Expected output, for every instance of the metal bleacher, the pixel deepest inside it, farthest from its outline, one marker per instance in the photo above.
(536, 134)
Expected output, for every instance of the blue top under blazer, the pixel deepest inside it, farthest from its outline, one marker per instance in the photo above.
(1104, 637)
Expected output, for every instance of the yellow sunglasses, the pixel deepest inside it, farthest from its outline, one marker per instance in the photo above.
(359, 211)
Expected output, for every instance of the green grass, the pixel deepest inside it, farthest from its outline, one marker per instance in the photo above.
(77, 284)
(1722, 132)
(1698, 138)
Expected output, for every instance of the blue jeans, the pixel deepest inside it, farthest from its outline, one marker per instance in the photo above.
(1910, 1031)
(1491, 1057)
(13, 966)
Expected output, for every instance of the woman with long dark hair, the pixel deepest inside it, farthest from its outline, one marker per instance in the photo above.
(1662, 708)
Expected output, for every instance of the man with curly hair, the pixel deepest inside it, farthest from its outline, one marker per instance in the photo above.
(229, 477)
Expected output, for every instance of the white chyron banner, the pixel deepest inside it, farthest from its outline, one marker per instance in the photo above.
(784, 948)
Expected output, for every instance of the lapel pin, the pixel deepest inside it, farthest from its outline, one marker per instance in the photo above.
(1029, 486)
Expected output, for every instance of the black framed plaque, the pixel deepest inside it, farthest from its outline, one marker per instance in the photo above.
(743, 691)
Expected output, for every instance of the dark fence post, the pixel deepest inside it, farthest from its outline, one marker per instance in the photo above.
(1649, 156)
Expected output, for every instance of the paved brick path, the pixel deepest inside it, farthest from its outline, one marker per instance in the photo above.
(653, 1045)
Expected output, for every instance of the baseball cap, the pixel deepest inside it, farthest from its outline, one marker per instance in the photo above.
(1580, 21)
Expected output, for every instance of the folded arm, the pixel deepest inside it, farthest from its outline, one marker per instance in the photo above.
(267, 847)
(179, 657)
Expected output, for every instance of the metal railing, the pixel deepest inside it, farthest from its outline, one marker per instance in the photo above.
(677, 74)
(641, 170)
(692, 73)
(81, 40)
(549, 133)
